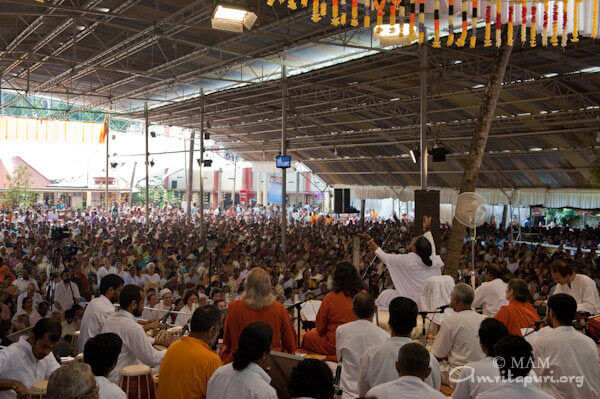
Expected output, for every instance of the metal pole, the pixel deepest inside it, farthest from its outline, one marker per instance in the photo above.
(147, 164)
(363, 204)
(131, 185)
(297, 188)
(423, 131)
(201, 162)
(234, 177)
(283, 153)
(190, 185)
(107, 121)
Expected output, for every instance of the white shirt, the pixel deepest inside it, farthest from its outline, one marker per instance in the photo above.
(584, 290)
(406, 387)
(103, 271)
(155, 278)
(567, 352)
(96, 313)
(514, 390)
(352, 340)
(17, 362)
(458, 339)
(135, 280)
(183, 318)
(479, 376)
(108, 390)
(378, 365)
(492, 296)
(249, 383)
(408, 272)
(137, 346)
(37, 298)
(22, 284)
(64, 296)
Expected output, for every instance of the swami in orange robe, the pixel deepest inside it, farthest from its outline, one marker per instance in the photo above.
(240, 315)
(335, 310)
(517, 315)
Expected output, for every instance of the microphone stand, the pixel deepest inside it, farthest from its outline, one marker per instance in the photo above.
(424, 317)
(298, 307)
(368, 269)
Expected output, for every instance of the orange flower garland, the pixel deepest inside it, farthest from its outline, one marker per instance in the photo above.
(354, 20)
(316, 16)
(421, 21)
(595, 19)
(575, 37)
(532, 32)
(510, 24)
(554, 39)
(411, 22)
(367, 21)
(380, 8)
(343, 14)
(565, 35)
(487, 42)
(498, 23)
(335, 19)
(451, 23)
(460, 42)
(545, 25)
(523, 22)
(436, 25)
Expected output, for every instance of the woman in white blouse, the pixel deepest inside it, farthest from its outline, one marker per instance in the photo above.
(409, 271)
(190, 300)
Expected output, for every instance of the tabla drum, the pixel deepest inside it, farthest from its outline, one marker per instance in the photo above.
(79, 357)
(67, 360)
(136, 382)
(38, 390)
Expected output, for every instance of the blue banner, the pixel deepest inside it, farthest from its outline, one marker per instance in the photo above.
(274, 193)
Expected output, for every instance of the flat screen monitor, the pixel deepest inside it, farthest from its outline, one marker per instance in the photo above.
(283, 161)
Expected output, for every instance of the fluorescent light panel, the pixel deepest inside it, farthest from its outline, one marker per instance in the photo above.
(232, 14)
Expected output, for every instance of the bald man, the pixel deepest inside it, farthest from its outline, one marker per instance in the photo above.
(354, 338)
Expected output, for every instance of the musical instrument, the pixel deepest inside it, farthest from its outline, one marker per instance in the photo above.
(38, 390)
(137, 382)
(79, 357)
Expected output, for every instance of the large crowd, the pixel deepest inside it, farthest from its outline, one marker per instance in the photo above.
(63, 272)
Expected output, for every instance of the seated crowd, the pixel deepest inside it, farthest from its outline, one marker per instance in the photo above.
(115, 277)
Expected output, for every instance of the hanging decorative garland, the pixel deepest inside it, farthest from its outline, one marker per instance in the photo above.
(416, 25)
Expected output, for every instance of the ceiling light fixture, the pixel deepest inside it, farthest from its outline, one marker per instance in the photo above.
(389, 35)
(414, 155)
(232, 19)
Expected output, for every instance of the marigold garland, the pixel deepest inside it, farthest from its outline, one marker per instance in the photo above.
(554, 39)
(304, 3)
(510, 32)
(367, 20)
(487, 42)
(270, 2)
(523, 22)
(498, 23)
(474, 26)
(323, 8)
(545, 25)
(380, 8)
(595, 19)
(421, 21)
(436, 25)
(460, 42)
(354, 21)
(565, 35)
(402, 14)
(575, 37)
(532, 32)
(451, 23)
(292, 5)
(316, 16)
(411, 22)
(344, 13)
(335, 19)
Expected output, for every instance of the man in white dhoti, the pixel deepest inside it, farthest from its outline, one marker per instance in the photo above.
(491, 295)
(566, 353)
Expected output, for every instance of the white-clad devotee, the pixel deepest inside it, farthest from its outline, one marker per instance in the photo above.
(491, 295)
(24, 280)
(137, 346)
(476, 377)
(566, 353)
(161, 309)
(409, 271)
(29, 360)
(151, 276)
(377, 365)
(31, 291)
(457, 339)
(579, 286)
(132, 277)
(515, 358)
(190, 300)
(66, 293)
(101, 353)
(99, 309)
(412, 368)
(245, 377)
(354, 338)
(104, 270)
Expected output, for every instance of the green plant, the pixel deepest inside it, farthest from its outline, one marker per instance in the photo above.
(19, 194)
(157, 194)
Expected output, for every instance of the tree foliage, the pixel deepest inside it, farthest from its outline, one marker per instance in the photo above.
(19, 193)
(566, 216)
(157, 194)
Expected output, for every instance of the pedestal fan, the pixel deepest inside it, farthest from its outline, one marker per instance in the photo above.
(471, 210)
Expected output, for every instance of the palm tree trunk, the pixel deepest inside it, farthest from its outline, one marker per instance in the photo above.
(475, 157)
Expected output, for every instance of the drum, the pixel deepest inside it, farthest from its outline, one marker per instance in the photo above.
(137, 382)
(38, 390)
(79, 357)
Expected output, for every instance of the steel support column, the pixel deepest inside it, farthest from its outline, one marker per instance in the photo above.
(283, 153)
(190, 176)
(202, 163)
(423, 129)
(147, 125)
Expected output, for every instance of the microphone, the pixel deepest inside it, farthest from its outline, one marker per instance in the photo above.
(443, 308)
(164, 319)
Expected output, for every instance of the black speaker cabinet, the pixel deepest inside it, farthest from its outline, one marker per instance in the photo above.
(341, 200)
(427, 203)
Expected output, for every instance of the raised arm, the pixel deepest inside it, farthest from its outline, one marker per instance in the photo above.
(427, 233)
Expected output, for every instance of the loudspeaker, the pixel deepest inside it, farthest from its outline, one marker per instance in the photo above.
(341, 200)
(427, 203)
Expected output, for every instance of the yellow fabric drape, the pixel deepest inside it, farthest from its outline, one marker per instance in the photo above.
(14, 129)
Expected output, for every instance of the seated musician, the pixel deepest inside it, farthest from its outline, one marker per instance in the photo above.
(258, 304)
(137, 346)
(579, 286)
(335, 311)
(29, 360)
(101, 353)
(519, 313)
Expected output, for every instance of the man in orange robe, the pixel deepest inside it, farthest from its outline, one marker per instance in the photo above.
(519, 313)
(335, 310)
